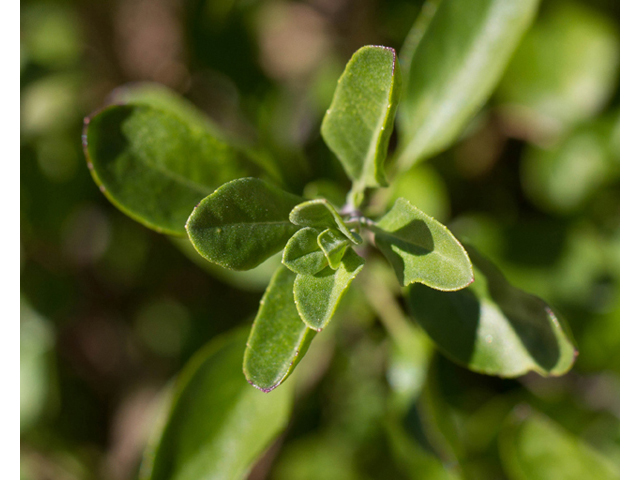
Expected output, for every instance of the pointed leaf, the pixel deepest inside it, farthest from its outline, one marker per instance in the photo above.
(493, 327)
(242, 223)
(214, 408)
(278, 339)
(317, 296)
(320, 213)
(537, 449)
(156, 166)
(302, 254)
(455, 56)
(359, 121)
(421, 249)
(333, 245)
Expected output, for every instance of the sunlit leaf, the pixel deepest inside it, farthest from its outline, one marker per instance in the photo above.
(317, 296)
(456, 55)
(302, 253)
(421, 249)
(333, 245)
(359, 122)
(493, 327)
(321, 214)
(218, 424)
(155, 166)
(279, 339)
(242, 223)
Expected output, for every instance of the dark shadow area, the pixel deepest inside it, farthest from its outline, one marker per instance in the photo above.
(414, 238)
(451, 319)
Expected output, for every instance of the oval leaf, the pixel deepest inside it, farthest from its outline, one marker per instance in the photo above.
(278, 339)
(359, 122)
(421, 249)
(156, 166)
(242, 223)
(455, 56)
(493, 327)
(302, 254)
(320, 213)
(317, 296)
(213, 409)
(537, 449)
(333, 245)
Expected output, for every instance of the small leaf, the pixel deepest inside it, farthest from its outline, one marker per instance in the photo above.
(317, 296)
(213, 409)
(493, 327)
(302, 254)
(538, 449)
(333, 245)
(242, 223)
(278, 339)
(359, 122)
(421, 249)
(320, 213)
(156, 166)
(455, 57)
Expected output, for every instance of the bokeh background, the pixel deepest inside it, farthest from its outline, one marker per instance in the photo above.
(111, 311)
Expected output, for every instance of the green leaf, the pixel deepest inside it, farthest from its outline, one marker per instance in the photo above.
(242, 223)
(320, 213)
(218, 425)
(421, 249)
(565, 70)
(455, 57)
(278, 339)
(333, 245)
(563, 176)
(493, 327)
(317, 296)
(538, 449)
(155, 166)
(359, 122)
(302, 254)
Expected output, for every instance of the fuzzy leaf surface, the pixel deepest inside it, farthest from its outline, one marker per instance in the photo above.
(302, 254)
(156, 166)
(421, 249)
(359, 122)
(239, 424)
(493, 327)
(242, 223)
(455, 56)
(333, 245)
(321, 214)
(317, 296)
(279, 338)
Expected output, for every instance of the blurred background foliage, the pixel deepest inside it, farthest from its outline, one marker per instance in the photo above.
(111, 311)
